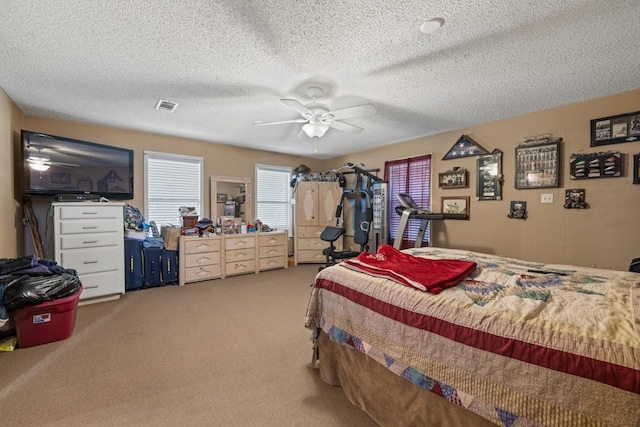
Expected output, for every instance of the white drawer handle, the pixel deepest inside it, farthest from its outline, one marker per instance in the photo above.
(203, 271)
(272, 251)
(272, 262)
(240, 266)
(240, 242)
(90, 241)
(90, 287)
(90, 262)
(89, 228)
(89, 213)
(240, 254)
(273, 240)
(203, 259)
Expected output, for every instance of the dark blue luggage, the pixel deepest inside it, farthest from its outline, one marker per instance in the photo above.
(151, 258)
(133, 268)
(169, 266)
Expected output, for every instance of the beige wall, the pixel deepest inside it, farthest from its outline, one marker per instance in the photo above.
(10, 211)
(606, 235)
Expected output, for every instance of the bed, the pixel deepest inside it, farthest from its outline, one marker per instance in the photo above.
(513, 343)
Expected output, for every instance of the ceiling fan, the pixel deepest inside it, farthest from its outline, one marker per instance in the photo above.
(318, 118)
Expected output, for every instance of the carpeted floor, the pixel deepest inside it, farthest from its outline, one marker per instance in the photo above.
(230, 352)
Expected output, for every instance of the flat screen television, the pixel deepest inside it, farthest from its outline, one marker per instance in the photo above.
(54, 165)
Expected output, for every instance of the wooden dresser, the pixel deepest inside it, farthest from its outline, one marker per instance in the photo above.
(315, 209)
(199, 258)
(272, 250)
(239, 254)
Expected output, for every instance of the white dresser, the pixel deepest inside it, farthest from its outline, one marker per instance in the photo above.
(89, 238)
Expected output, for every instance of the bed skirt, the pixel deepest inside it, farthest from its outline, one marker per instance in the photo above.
(386, 397)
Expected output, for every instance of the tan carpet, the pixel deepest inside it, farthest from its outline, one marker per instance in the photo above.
(230, 352)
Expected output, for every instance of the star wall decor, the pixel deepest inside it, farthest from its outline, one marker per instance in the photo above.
(465, 147)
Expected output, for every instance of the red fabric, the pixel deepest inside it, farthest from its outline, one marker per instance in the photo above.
(430, 275)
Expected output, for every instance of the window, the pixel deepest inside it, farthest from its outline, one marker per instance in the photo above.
(413, 177)
(273, 196)
(171, 181)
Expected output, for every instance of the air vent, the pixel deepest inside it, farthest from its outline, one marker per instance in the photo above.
(166, 105)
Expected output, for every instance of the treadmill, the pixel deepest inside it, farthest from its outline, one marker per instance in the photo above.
(409, 209)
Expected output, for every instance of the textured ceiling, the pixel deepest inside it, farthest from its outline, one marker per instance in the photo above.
(228, 64)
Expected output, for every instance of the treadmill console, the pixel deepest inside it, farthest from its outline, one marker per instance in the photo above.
(407, 201)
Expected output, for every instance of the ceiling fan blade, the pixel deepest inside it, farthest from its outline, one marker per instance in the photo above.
(259, 123)
(344, 127)
(350, 112)
(296, 105)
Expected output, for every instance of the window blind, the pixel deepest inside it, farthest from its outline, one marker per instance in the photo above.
(273, 196)
(171, 181)
(413, 177)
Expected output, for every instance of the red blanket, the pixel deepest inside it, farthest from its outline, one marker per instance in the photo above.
(430, 275)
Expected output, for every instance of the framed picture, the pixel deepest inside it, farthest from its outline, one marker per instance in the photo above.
(636, 168)
(221, 198)
(595, 165)
(575, 199)
(489, 178)
(456, 207)
(538, 165)
(455, 178)
(615, 129)
(518, 209)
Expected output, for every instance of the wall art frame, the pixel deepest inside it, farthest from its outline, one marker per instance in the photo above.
(455, 178)
(595, 165)
(517, 209)
(221, 197)
(575, 198)
(457, 207)
(465, 146)
(538, 164)
(489, 176)
(615, 129)
(636, 168)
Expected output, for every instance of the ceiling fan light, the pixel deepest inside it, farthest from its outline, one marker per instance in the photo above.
(41, 167)
(315, 130)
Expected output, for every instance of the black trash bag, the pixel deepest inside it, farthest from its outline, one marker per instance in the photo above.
(33, 290)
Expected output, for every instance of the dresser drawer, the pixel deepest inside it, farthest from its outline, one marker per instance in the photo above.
(92, 260)
(268, 263)
(202, 273)
(309, 232)
(89, 240)
(239, 242)
(207, 258)
(91, 211)
(240, 267)
(98, 284)
(311, 256)
(200, 244)
(240, 255)
(110, 225)
(307, 244)
(271, 240)
(271, 251)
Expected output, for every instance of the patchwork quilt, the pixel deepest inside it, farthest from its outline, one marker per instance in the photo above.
(520, 343)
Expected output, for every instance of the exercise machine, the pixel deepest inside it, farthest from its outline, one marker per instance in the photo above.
(369, 194)
(409, 210)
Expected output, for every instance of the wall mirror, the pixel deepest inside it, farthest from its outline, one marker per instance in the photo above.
(231, 197)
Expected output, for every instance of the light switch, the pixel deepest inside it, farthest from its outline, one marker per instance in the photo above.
(546, 198)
